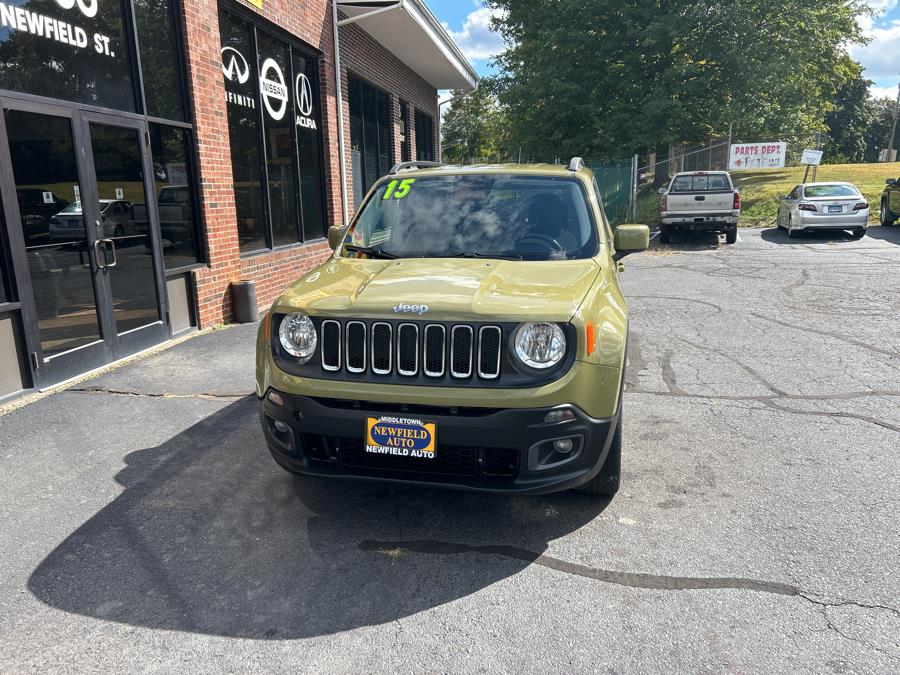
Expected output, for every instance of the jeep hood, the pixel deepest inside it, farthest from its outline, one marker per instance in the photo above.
(453, 289)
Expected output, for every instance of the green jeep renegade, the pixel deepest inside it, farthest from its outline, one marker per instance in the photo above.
(469, 332)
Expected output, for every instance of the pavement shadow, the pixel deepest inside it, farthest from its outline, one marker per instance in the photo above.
(775, 235)
(890, 234)
(209, 536)
(689, 241)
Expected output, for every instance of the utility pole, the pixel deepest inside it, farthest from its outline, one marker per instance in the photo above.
(894, 127)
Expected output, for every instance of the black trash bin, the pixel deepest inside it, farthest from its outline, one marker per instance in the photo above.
(243, 299)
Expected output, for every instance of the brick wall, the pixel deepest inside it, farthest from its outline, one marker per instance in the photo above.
(309, 22)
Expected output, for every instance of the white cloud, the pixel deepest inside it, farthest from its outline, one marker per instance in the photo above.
(476, 39)
(882, 92)
(880, 56)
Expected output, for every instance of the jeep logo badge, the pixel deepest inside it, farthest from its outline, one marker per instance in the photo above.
(410, 309)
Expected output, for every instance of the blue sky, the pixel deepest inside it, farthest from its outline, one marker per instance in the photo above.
(469, 24)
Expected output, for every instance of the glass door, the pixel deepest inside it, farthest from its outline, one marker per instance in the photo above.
(45, 217)
(124, 223)
(83, 236)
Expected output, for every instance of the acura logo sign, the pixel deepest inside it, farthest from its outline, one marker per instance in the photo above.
(274, 91)
(303, 93)
(234, 65)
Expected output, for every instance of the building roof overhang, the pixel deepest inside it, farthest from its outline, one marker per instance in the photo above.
(409, 30)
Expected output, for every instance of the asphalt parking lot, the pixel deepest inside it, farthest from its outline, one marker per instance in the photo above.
(144, 526)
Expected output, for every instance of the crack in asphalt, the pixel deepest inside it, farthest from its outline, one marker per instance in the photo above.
(139, 394)
(677, 299)
(824, 606)
(633, 579)
(831, 334)
(769, 400)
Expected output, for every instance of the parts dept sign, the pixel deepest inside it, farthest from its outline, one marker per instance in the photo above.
(757, 156)
(50, 28)
(273, 88)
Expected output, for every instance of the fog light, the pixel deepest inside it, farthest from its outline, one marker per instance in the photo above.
(282, 428)
(275, 398)
(556, 416)
(563, 445)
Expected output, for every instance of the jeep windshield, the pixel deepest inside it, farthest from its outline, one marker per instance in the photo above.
(501, 216)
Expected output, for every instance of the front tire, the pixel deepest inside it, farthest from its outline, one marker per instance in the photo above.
(887, 217)
(606, 483)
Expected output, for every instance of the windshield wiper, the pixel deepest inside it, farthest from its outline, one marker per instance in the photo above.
(476, 254)
(371, 251)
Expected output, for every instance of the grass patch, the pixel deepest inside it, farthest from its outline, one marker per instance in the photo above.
(760, 190)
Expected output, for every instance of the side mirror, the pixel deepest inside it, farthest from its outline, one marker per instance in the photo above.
(662, 191)
(335, 235)
(782, 197)
(630, 239)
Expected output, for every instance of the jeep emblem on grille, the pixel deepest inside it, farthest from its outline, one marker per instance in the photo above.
(410, 309)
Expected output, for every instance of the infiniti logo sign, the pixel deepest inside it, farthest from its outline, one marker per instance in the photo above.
(234, 65)
(410, 309)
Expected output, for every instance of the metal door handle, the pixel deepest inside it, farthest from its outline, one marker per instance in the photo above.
(115, 255)
(96, 251)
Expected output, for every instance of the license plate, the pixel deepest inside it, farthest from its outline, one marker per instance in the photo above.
(835, 209)
(401, 436)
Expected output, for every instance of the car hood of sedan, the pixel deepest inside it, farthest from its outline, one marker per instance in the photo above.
(450, 289)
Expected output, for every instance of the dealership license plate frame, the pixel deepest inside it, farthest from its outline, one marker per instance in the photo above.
(399, 422)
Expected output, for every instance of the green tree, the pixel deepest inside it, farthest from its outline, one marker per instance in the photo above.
(878, 132)
(849, 121)
(610, 77)
(472, 127)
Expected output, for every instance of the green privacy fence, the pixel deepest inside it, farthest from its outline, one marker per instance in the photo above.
(615, 180)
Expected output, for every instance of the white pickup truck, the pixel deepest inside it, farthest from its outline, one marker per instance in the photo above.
(700, 201)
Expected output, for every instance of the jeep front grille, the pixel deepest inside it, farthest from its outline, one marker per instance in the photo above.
(411, 349)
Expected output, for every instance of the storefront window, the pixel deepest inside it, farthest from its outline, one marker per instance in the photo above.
(405, 155)
(278, 122)
(78, 54)
(174, 183)
(371, 134)
(238, 66)
(160, 63)
(311, 180)
(273, 121)
(424, 137)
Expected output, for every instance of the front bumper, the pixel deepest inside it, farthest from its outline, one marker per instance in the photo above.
(478, 449)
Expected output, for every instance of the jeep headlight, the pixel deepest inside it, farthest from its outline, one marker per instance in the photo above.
(297, 335)
(540, 345)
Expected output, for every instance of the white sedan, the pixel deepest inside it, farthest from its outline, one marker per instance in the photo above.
(823, 206)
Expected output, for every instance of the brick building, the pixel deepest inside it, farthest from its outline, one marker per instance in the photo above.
(153, 152)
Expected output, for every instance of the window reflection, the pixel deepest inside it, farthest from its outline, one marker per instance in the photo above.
(66, 53)
(48, 192)
(278, 120)
(424, 137)
(124, 221)
(160, 66)
(238, 65)
(173, 181)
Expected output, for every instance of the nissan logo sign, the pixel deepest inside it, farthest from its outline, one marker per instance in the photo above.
(274, 91)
